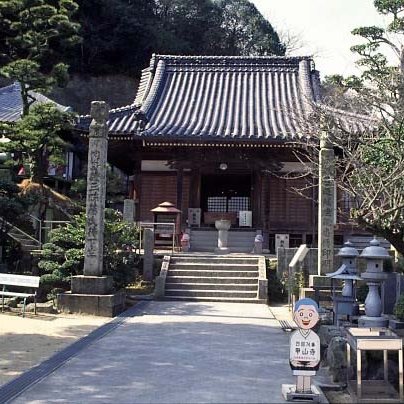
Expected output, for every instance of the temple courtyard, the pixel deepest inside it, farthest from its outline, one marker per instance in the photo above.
(159, 352)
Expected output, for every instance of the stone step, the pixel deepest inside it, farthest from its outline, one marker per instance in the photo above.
(210, 249)
(216, 299)
(215, 280)
(211, 293)
(214, 233)
(214, 239)
(213, 273)
(235, 287)
(214, 259)
(212, 266)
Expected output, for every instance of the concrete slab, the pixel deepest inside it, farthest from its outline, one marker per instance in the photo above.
(177, 352)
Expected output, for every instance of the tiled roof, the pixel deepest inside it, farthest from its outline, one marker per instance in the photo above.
(11, 102)
(197, 98)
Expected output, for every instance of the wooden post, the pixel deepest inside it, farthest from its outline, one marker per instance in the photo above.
(195, 189)
(137, 187)
(256, 182)
(180, 180)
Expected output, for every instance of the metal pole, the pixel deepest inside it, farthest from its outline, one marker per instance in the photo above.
(290, 270)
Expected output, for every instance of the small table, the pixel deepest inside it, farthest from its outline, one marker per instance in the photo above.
(374, 339)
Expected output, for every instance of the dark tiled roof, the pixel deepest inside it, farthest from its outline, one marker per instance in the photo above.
(197, 98)
(11, 102)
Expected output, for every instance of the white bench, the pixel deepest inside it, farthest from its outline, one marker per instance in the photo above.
(31, 282)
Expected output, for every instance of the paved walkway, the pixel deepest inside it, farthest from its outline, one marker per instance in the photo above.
(177, 352)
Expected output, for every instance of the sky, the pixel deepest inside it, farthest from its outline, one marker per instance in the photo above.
(324, 28)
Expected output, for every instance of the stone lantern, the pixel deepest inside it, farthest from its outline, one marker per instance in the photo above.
(345, 303)
(374, 276)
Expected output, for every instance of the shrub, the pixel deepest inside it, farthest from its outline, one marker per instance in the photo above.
(398, 310)
(362, 292)
(63, 256)
(276, 291)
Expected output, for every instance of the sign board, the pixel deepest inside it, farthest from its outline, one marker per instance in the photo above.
(304, 348)
(281, 241)
(305, 343)
(304, 353)
(245, 218)
(19, 280)
(194, 216)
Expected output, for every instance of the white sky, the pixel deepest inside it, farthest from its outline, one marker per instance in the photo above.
(324, 26)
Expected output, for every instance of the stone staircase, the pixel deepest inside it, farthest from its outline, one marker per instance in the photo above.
(208, 277)
(28, 243)
(205, 240)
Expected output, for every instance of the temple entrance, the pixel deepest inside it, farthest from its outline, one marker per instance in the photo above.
(224, 196)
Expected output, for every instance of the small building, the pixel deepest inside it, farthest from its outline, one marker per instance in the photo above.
(215, 134)
(11, 109)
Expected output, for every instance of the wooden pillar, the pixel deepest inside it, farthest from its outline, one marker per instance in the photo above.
(137, 187)
(180, 181)
(195, 189)
(256, 188)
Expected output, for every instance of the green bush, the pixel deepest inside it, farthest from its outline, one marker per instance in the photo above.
(398, 310)
(361, 292)
(63, 256)
(276, 290)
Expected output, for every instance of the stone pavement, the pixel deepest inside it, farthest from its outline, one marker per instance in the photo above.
(177, 352)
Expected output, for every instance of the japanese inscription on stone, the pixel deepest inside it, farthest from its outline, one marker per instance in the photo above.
(326, 207)
(96, 178)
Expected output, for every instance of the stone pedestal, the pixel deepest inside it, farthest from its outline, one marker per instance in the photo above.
(92, 285)
(369, 322)
(96, 305)
(222, 227)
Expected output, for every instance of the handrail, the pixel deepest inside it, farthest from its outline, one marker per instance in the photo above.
(42, 227)
(19, 230)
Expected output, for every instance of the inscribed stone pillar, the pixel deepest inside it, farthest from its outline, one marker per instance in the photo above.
(148, 257)
(326, 206)
(128, 210)
(96, 184)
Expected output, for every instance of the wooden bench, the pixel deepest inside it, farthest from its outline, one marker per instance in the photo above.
(23, 281)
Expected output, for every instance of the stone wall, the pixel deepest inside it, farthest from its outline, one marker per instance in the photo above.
(285, 255)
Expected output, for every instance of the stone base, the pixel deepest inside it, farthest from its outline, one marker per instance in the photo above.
(92, 285)
(222, 250)
(96, 305)
(396, 324)
(289, 394)
(370, 322)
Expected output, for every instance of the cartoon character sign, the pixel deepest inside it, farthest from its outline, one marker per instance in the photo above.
(305, 344)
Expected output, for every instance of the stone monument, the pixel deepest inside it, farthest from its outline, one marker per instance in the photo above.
(222, 226)
(129, 210)
(148, 256)
(92, 292)
(326, 206)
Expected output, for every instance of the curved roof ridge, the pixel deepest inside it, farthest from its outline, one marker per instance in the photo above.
(230, 57)
(113, 110)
